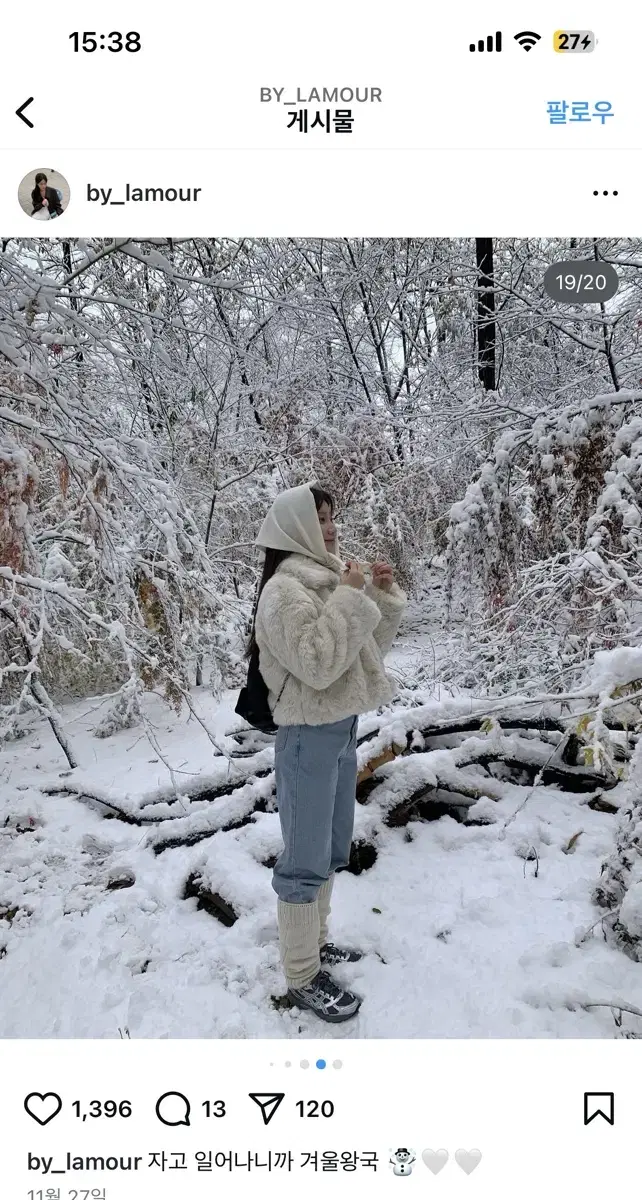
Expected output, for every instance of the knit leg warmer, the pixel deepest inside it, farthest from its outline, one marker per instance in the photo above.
(299, 941)
(323, 899)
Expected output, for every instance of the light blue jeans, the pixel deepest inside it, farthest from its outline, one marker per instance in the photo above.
(316, 777)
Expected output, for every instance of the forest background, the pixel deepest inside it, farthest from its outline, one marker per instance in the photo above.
(486, 440)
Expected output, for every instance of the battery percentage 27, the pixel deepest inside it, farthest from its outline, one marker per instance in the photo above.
(573, 41)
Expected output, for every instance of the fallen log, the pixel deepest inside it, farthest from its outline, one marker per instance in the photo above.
(120, 879)
(599, 804)
(84, 793)
(421, 806)
(145, 815)
(207, 792)
(379, 760)
(210, 901)
(201, 835)
(473, 722)
(439, 799)
(363, 856)
(571, 779)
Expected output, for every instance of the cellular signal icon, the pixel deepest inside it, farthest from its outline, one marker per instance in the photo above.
(488, 44)
(528, 39)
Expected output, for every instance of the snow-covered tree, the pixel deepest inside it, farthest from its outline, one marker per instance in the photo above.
(155, 395)
(547, 537)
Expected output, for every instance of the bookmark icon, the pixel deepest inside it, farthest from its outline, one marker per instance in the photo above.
(599, 1104)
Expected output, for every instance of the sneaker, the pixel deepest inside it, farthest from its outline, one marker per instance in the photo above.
(333, 955)
(324, 997)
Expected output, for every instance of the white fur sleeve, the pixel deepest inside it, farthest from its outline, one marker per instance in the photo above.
(391, 605)
(315, 649)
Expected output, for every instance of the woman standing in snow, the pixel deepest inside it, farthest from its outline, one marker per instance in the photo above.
(322, 632)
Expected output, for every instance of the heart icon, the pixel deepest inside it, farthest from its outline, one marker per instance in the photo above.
(43, 1107)
(468, 1160)
(435, 1160)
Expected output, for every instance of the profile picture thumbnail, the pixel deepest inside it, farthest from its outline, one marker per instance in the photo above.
(44, 194)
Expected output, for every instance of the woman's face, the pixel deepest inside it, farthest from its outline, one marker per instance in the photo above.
(327, 526)
(43, 186)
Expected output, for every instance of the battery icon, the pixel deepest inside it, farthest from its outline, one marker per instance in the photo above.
(573, 41)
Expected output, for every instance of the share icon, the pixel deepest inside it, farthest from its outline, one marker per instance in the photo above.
(268, 1103)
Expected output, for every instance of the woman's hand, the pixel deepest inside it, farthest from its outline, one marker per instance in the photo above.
(353, 577)
(382, 576)
(45, 202)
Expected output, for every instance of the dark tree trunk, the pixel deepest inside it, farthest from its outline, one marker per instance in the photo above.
(607, 334)
(486, 328)
(66, 258)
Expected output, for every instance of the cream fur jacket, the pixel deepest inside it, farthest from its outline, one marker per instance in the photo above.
(328, 638)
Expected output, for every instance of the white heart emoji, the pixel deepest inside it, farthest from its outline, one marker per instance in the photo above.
(435, 1160)
(468, 1160)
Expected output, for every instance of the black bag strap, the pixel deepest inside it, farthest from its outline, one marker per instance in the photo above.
(256, 656)
(282, 690)
(256, 649)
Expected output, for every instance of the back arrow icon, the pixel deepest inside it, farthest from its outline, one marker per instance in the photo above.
(21, 111)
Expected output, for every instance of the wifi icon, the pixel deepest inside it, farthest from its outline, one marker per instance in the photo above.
(527, 39)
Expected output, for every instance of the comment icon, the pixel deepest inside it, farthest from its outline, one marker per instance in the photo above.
(173, 1108)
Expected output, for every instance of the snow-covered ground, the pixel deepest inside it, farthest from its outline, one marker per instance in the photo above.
(462, 936)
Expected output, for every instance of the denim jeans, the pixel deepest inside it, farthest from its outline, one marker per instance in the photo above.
(316, 776)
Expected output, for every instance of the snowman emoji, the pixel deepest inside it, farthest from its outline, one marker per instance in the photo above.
(402, 1161)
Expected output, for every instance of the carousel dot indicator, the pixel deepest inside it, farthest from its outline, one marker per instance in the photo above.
(321, 1063)
(337, 1064)
(304, 1063)
(288, 1064)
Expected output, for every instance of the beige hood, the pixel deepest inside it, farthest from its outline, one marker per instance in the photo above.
(292, 523)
